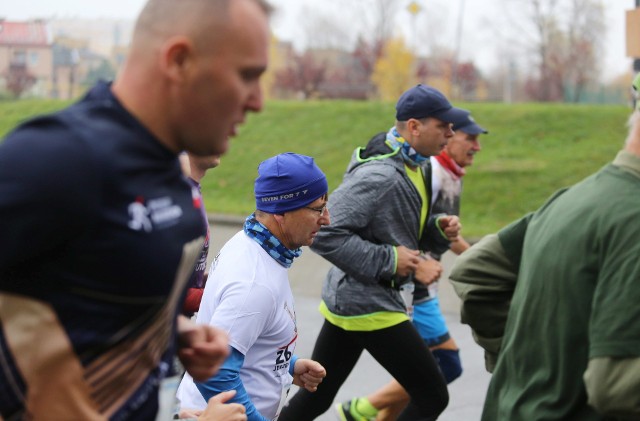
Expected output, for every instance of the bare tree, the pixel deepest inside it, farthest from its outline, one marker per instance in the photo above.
(325, 29)
(382, 19)
(361, 27)
(376, 22)
(19, 79)
(564, 41)
(303, 75)
(585, 44)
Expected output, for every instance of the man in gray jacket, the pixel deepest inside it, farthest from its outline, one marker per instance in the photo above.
(380, 223)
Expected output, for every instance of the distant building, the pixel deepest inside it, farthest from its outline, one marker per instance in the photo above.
(108, 38)
(73, 64)
(27, 47)
(59, 58)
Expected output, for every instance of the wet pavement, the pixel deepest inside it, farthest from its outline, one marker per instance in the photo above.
(306, 276)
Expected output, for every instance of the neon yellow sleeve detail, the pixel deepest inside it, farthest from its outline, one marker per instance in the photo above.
(395, 259)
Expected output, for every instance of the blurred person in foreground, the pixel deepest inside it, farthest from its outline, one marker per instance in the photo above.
(553, 299)
(447, 170)
(249, 295)
(98, 228)
(381, 221)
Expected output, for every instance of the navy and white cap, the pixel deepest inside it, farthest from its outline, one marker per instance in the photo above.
(423, 101)
(468, 125)
(287, 182)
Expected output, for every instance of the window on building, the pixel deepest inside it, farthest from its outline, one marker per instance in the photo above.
(19, 57)
(34, 57)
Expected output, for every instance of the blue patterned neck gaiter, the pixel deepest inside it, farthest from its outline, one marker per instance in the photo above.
(410, 155)
(269, 242)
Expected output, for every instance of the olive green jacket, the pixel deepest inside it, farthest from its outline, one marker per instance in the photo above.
(485, 277)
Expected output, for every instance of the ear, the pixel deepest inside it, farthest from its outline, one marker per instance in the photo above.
(279, 218)
(413, 126)
(177, 58)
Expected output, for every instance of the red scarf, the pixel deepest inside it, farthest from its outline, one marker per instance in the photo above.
(450, 165)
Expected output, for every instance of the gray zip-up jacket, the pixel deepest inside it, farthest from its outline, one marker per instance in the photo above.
(375, 208)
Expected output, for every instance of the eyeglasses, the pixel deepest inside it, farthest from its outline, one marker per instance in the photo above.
(322, 211)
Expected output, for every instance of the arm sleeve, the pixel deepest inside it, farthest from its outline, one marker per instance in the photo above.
(611, 378)
(613, 326)
(292, 364)
(484, 279)
(228, 378)
(435, 239)
(352, 207)
(612, 386)
(485, 276)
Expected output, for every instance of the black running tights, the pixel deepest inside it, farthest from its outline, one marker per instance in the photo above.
(399, 349)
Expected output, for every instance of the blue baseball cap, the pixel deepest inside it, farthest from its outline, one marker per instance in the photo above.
(287, 182)
(468, 125)
(423, 101)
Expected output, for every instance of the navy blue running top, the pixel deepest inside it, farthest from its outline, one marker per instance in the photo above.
(99, 233)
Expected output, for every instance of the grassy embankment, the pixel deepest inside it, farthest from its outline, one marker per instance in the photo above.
(531, 150)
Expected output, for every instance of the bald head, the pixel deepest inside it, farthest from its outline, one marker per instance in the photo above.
(196, 19)
(193, 70)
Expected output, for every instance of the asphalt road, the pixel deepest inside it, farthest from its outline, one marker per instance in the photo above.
(306, 276)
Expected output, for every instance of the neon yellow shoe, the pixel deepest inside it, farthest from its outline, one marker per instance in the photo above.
(347, 411)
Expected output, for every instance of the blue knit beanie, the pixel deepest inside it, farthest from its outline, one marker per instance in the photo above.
(287, 182)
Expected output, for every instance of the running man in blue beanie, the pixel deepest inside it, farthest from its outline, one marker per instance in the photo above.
(248, 292)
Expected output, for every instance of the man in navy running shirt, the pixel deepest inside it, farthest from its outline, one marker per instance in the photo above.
(99, 230)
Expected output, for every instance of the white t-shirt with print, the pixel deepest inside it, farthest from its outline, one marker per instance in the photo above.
(249, 296)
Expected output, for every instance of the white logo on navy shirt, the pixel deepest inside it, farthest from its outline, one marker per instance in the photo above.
(139, 217)
(158, 213)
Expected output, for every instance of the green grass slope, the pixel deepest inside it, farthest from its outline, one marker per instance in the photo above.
(531, 150)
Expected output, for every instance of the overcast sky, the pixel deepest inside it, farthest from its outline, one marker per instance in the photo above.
(476, 38)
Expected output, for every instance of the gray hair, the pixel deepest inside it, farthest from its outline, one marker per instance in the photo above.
(402, 124)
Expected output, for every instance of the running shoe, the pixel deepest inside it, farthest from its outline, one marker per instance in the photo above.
(346, 411)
